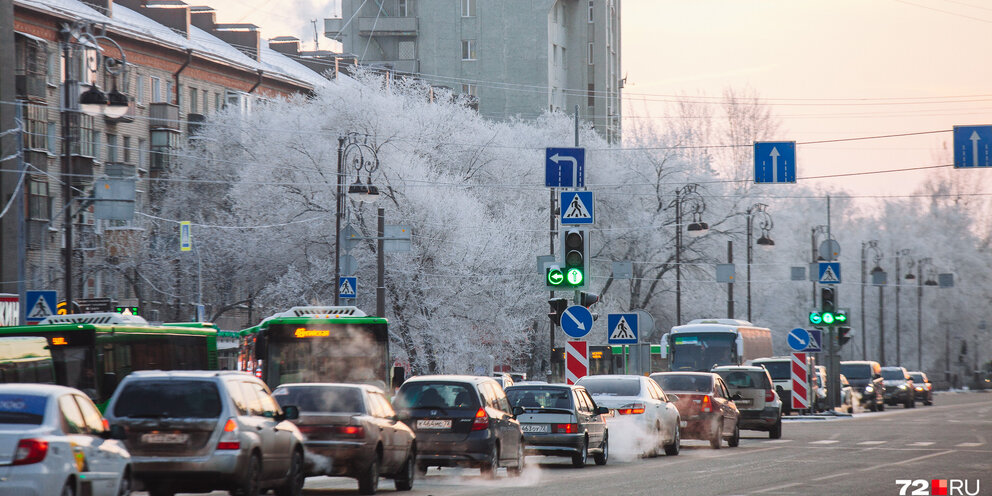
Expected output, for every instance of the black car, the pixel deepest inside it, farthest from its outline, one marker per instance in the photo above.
(924, 388)
(866, 380)
(561, 420)
(899, 387)
(461, 421)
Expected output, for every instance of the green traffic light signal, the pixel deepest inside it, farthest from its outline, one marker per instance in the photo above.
(840, 317)
(574, 276)
(828, 318)
(815, 318)
(555, 276)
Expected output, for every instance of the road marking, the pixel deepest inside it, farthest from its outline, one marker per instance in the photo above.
(776, 488)
(869, 443)
(922, 443)
(824, 441)
(775, 441)
(910, 460)
(968, 445)
(831, 476)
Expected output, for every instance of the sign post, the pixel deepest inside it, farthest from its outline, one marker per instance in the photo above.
(800, 381)
(576, 360)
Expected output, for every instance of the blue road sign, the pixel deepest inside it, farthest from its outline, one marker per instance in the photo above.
(348, 287)
(829, 273)
(798, 339)
(565, 167)
(775, 162)
(38, 305)
(621, 328)
(576, 207)
(972, 146)
(815, 341)
(576, 321)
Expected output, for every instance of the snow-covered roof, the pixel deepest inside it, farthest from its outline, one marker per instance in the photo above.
(203, 44)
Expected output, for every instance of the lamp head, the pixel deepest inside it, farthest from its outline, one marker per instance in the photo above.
(93, 101)
(697, 229)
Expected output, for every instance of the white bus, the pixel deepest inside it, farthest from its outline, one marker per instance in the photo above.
(703, 344)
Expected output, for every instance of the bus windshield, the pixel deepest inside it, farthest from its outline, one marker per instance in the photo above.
(325, 353)
(700, 351)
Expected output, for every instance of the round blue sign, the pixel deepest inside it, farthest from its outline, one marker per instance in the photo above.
(798, 339)
(576, 321)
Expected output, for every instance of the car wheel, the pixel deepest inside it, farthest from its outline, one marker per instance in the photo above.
(404, 481)
(735, 439)
(293, 485)
(368, 481)
(124, 489)
(717, 438)
(251, 485)
(519, 468)
(604, 455)
(68, 489)
(161, 491)
(579, 459)
(673, 449)
(850, 408)
(881, 406)
(776, 431)
(489, 469)
(928, 402)
(422, 469)
(909, 403)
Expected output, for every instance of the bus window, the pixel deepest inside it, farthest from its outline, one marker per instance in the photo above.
(26, 360)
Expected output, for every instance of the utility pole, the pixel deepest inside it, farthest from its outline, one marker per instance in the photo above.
(730, 286)
(380, 257)
(9, 228)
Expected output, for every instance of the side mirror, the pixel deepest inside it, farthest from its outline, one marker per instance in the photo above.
(290, 412)
(672, 398)
(602, 410)
(518, 410)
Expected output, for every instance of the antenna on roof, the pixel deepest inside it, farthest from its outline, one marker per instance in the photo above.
(316, 40)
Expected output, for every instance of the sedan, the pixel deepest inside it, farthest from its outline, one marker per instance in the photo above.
(53, 440)
(923, 386)
(646, 416)
(898, 387)
(705, 406)
(351, 430)
(561, 420)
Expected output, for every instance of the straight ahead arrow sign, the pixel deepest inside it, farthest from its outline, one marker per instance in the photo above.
(974, 147)
(775, 155)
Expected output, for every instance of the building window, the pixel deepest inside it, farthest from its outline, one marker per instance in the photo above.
(179, 95)
(591, 10)
(126, 149)
(203, 105)
(468, 49)
(468, 8)
(163, 144)
(194, 104)
(470, 89)
(36, 134)
(407, 50)
(142, 153)
(39, 202)
(52, 68)
(139, 90)
(52, 138)
(156, 90)
(403, 8)
(218, 102)
(169, 91)
(83, 144)
(590, 53)
(564, 59)
(591, 97)
(111, 147)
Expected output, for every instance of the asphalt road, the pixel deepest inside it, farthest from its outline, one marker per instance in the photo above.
(859, 455)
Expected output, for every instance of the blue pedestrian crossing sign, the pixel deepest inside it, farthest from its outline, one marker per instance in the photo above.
(972, 146)
(815, 340)
(576, 321)
(774, 162)
(621, 328)
(39, 305)
(565, 167)
(576, 207)
(798, 339)
(829, 273)
(348, 287)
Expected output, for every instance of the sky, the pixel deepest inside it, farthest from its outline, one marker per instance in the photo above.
(831, 70)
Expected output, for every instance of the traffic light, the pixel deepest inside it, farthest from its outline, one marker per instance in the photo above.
(575, 258)
(558, 306)
(588, 299)
(827, 314)
(843, 335)
(827, 300)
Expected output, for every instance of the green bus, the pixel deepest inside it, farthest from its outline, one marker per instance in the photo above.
(92, 352)
(228, 343)
(320, 344)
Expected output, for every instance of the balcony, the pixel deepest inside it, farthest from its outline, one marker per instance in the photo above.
(163, 115)
(387, 26)
(82, 171)
(31, 87)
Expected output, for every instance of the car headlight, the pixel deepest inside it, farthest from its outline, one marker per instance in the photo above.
(869, 388)
(919, 388)
(902, 386)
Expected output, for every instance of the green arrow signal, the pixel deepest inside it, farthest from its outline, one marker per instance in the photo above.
(555, 277)
(574, 277)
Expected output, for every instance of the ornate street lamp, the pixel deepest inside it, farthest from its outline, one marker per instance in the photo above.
(686, 197)
(759, 212)
(364, 158)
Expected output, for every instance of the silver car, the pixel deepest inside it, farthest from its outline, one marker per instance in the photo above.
(753, 392)
(54, 441)
(193, 431)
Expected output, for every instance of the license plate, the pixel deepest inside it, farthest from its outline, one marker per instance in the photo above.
(746, 402)
(434, 424)
(535, 427)
(683, 423)
(164, 438)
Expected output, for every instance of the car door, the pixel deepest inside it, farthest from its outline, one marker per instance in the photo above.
(594, 422)
(727, 407)
(280, 431)
(109, 457)
(379, 415)
(665, 417)
(84, 451)
(255, 422)
(511, 428)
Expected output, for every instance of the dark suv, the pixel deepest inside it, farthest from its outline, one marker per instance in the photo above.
(192, 431)
(866, 380)
(898, 387)
(461, 420)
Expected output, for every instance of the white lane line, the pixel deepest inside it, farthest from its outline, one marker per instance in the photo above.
(824, 441)
(910, 460)
(777, 441)
(922, 443)
(870, 443)
(968, 445)
(776, 488)
(831, 476)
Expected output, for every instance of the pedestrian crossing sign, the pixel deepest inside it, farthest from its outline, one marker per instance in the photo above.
(39, 305)
(576, 207)
(829, 273)
(622, 328)
(348, 287)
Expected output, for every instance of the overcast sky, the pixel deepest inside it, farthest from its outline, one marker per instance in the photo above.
(832, 69)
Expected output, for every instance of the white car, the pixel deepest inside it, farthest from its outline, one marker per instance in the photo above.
(645, 418)
(54, 442)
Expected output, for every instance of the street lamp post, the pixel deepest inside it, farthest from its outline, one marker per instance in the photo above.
(691, 198)
(899, 254)
(76, 35)
(759, 211)
(363, 158)
(927, 264)
(877, 256)
(813, 253)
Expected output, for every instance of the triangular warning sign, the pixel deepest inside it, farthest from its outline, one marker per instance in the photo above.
(622, 330)
(40, 310)
(829, 275)
(346, 287)
(577, 209)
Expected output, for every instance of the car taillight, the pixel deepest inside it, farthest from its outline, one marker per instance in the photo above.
(350, 430)
(229, 438)
(707, 406)
(30, 451)
(481, 420)
(631, 409)
(769, 395)
(564, 428)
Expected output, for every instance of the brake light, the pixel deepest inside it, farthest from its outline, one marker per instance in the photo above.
(564, 428)
(481, 420)
(350, 430)
(631, 409)
(707, 404)
(30, 451)
(229, 439)
(769, 395)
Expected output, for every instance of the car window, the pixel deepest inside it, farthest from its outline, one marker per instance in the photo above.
(689, 383)
(251, 399)
(338, 399)
(780, 371)
(540, 397)
(660, 392)
(385, 409)
(893, 374)
(856, 371)
(501, 401)
(588, 400)
(651, 391)
(269, 406)
(22, 409)
(168, 398)
(237, 396)
(436, 394)
(611, 386)
(92, 417)
(742, 379)
(74, 423)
